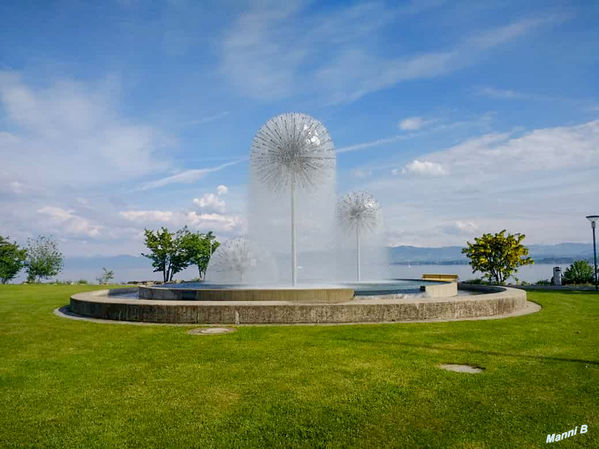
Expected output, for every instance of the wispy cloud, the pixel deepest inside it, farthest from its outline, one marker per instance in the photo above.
(371, 144)
(267, 54)
(422, 127)
(188, 176)
(204, 120)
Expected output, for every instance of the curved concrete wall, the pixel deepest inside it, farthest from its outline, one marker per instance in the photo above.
(250, 294)
(103, 304)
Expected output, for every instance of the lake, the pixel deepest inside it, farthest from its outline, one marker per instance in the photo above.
(529, 273)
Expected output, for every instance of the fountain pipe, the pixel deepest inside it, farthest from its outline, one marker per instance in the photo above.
(293, 254)
(358, 253)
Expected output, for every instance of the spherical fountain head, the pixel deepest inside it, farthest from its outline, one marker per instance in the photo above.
(234, 255)
(359, 211)
(292, 148)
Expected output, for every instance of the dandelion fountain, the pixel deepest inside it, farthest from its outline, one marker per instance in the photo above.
(291, 268)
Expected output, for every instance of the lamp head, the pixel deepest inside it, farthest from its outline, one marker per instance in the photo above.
(593, 219)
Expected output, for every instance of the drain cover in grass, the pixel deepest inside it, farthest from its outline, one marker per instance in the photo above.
(462, 368)
(211, 331)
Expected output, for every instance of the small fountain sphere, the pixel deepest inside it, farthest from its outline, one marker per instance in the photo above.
(359, 212)
(237, 255)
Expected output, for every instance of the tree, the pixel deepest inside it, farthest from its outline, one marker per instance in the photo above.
(199, 247)
(106, 276)
(497, 256)
(166, 251)
(580, 272)
(12, 259)
(43, 258)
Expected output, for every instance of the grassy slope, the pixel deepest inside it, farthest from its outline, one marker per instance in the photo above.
(66, 383)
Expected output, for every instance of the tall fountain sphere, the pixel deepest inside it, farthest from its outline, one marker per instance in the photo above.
(292, 150)
(359, 212)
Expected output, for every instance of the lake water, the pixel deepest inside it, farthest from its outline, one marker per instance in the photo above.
(529, 273)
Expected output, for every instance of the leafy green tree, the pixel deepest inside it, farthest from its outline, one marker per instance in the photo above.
(12, 259)
(166, 251)
(497, 256)
(43, 258)
(199, 247)
(580, 272)
(106, 276)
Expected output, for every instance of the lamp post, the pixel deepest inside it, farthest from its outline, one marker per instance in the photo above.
(593, 219)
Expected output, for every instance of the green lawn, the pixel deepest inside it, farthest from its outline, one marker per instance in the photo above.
(72, 384)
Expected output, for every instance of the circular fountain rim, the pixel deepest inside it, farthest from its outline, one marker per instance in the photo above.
(495, 302)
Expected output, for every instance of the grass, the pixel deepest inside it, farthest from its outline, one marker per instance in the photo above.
(66, 383)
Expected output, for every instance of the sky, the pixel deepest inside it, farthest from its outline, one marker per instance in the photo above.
(459, 117)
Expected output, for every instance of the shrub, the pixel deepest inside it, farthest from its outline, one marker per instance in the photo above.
(580, 272)
(498, 256)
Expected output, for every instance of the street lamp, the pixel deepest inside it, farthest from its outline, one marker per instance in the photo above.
(593, 219)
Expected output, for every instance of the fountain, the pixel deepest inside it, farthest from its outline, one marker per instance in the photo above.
(294, 221)
(359, 212)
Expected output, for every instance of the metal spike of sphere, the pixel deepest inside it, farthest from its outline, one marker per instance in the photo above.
(359, 212)
(238, 255)
(292, 151)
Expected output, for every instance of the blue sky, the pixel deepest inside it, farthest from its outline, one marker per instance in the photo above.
(460, 117)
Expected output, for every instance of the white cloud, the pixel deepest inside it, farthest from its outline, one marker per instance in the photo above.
(424, 168)
(70, 134)
(361, 173)
(542, 149)
(66, 221)
(210, 201)
(465, 228)
(539, 183)
(221, 189)
(412, 123)
(500, 93)
(223, 223)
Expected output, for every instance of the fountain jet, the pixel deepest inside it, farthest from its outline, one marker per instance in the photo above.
(293, 151)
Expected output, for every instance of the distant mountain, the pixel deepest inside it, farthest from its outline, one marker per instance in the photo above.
(448, 255)
(137, 267)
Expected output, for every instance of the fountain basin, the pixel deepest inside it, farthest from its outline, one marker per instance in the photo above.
(124, 305)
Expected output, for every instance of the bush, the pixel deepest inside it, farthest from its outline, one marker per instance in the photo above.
(82, 282)
(543, 282)
(580, 272)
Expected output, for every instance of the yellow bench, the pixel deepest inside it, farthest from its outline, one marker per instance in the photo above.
(440, 277)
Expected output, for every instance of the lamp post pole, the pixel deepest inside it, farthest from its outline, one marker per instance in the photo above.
(593, 219)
